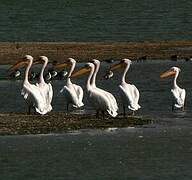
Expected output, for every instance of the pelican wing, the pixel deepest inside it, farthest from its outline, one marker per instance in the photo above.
(79, 92)
(110, 97)
(101, 102)
(71, 95)
(33, 96)
(136, 93)
(50, 93)
(130, 96)
(46, 91)
(98, 100)
(183, 94)
(179, 97)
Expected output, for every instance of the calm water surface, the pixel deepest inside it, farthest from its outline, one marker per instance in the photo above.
(101, 20)
(157, 151)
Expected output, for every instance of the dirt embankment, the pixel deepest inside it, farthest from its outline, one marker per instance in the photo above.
(83, 51)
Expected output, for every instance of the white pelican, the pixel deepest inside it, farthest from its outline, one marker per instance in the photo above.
(108, 75)
(98, 98)
(62, 74)
(178, 93)
(30, 92)
(73, 93)
(111, 98)
(48, 77)
(51, 74)
(45, 88)
(129, 93)
(15, 74)
(32, 76)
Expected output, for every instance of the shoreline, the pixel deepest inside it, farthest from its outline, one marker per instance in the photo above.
(10, 52)
(23, 124)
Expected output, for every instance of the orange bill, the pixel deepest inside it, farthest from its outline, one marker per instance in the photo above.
(81, 71)
(61, 66)
(167, 74)
(17, 65)
(116, 66)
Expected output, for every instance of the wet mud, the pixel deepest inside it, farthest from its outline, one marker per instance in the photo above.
(58, 122)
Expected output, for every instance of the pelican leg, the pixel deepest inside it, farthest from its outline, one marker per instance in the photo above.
(97, 114)
(172, 106)
(103, 115)
(124, 114)
(67, 107)
(33, 108)
(133, 113)
(29, 110)
(183, 108)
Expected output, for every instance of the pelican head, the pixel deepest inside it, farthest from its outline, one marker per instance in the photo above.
(42, 59)
(22, 63)
(108, 75)
(67, 63)
(171, 72)
(28, 57)
(85, 69)
(121, 64)
(72, 61)
(95, 61)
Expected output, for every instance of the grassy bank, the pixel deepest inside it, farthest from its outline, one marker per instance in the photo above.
(83, 51)
(18, 123)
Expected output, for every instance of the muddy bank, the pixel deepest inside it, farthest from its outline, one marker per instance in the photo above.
(83, 51)
(18, 123)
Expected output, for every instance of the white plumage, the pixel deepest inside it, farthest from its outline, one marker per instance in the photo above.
(178, 93)
(31, 93)
(33, 98)
(73, 93)
(111, 98)
(130, 96)
(45, 88)
(96, 96)
(129, 93)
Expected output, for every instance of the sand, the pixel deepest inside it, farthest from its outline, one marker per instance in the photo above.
(83, 51)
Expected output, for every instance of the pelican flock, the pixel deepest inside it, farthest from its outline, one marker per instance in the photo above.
(39, 95)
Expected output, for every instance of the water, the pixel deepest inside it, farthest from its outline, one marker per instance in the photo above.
(125, 154)
(101, 20)
(157, 151)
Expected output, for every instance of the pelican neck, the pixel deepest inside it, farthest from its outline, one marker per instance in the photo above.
(26, 80)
